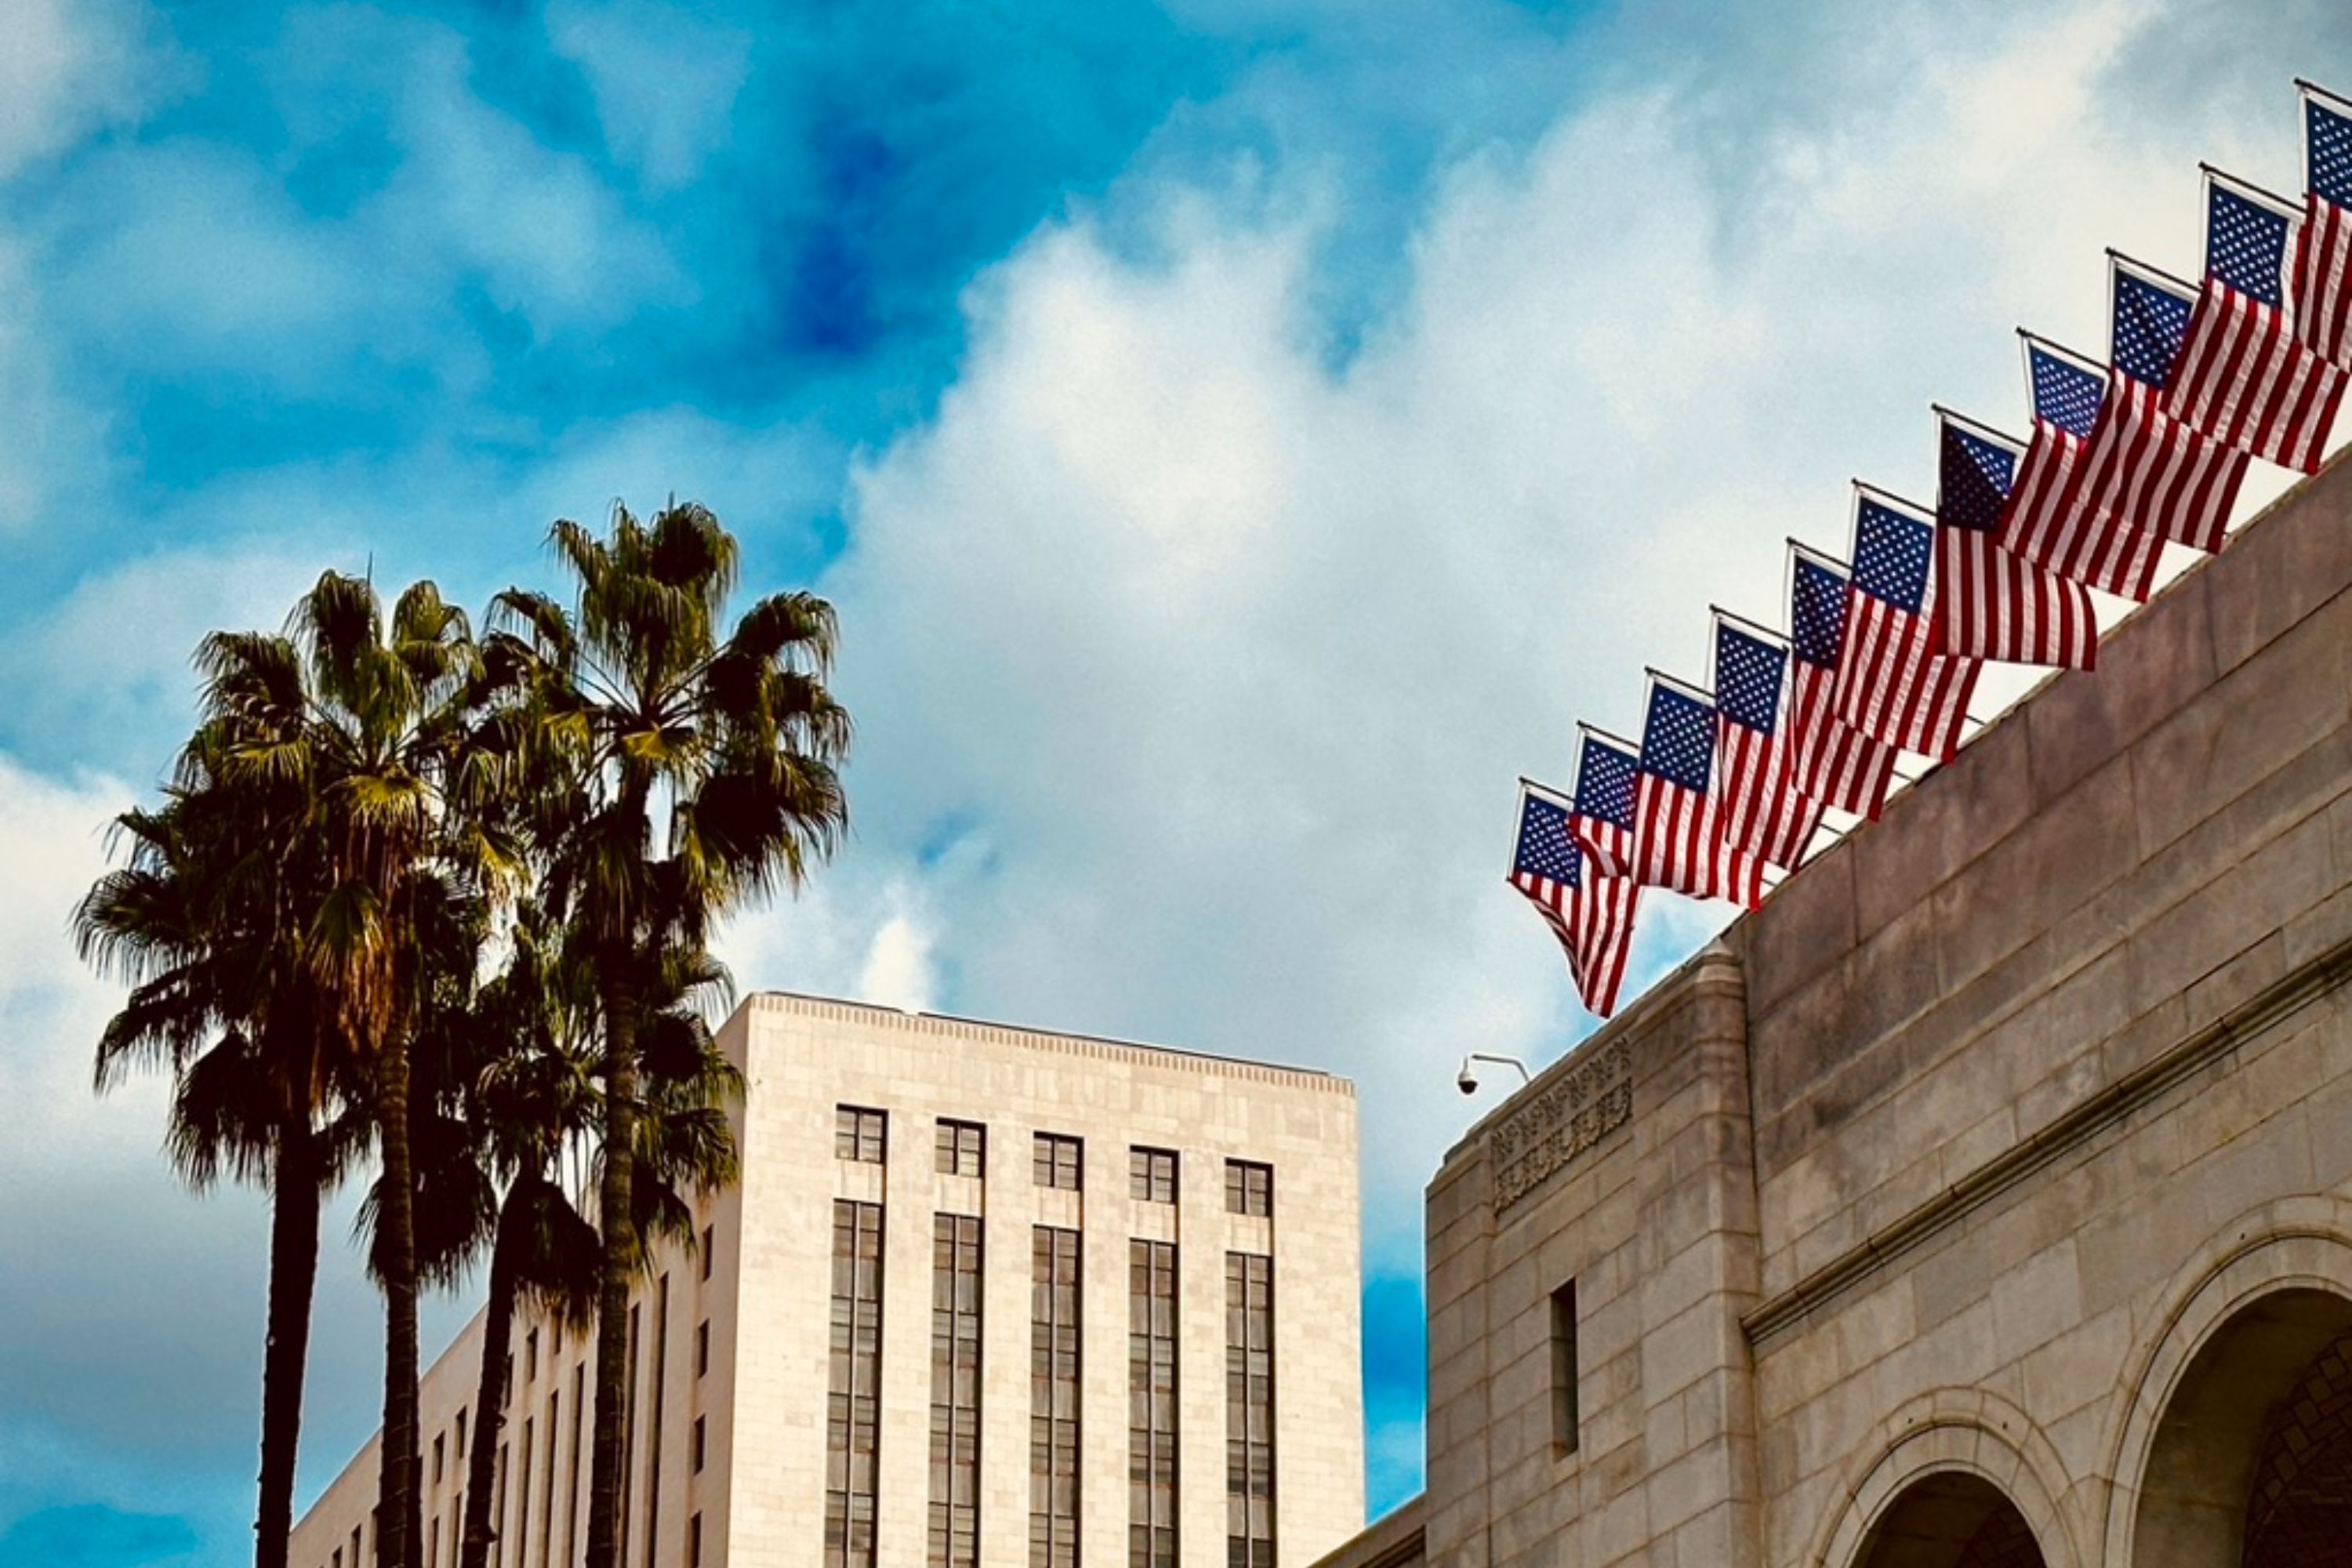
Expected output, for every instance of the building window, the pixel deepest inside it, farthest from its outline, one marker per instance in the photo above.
(546, 1475)
(700, 1436)
(1054, 1329)
(955, 1392)
(1152, 1404)
(1563, 1368)
(522, 1501)
(853, 1403)
(859, 1134)
(439, 1439)
(1151, 1175)
(962, 1147)
(461, 1434)
(694, 1541)
(1249, 1188)
(702, 1348)
(531, 1356)
(1059, 1161)
(1249, 1410)
(709, 1243)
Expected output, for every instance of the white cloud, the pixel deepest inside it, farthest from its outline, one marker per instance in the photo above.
(66, 68)
(1235, 656)
(665, 81)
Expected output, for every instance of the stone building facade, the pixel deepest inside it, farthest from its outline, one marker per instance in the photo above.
(1985, 1199)
(975, 1279)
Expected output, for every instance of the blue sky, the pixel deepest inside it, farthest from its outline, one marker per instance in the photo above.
(1242, 435)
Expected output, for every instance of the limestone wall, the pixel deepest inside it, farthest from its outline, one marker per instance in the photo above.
(1944, 1160)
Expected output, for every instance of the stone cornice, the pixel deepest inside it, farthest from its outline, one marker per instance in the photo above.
(2283, 997)
(1088, 1046)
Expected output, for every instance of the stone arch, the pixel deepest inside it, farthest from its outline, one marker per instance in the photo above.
(1955, 1479)
(2218, 1430)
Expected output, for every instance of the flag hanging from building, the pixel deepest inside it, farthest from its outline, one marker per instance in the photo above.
(2152, 471)
(1763, 812)
(1892, 684)
(2323, 268)
(1992, 602)
(1592, 915)
(1603, 821)
(2245, 378)
(2050, 518)
(1835, 763)
(1679, 831)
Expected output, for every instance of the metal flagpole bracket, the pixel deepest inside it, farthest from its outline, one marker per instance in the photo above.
(1976, 426)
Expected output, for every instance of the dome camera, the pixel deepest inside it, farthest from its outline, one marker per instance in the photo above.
(1466, 1080)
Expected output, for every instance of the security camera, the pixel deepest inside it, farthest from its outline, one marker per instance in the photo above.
(1466, 1080)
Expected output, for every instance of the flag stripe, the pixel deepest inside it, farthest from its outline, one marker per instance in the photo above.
(2323, 282)
(2247, 381)
(1594, 925)
(1995, 605)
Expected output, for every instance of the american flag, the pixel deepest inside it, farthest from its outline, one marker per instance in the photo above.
(2050, 519)
(1892, 683)
(2149, 470)
(1604, 822)
(1592, 915)
(1755, 772)
(1836, 763)
(1680, 835)
(1990, 603)
(2245, 377)
(2323, 268)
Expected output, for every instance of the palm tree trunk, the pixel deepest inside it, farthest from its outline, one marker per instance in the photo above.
(293, 1275)
(396, 1523)
(619, 1269)
(490, 1401)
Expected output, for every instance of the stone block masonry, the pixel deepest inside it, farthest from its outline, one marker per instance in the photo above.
(1985, 1199)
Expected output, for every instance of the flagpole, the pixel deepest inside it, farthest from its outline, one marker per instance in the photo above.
(2080, 360)
(1975, 426)
(2214, 174)
(1744, 624)
(2134, 264)
(1876, 492)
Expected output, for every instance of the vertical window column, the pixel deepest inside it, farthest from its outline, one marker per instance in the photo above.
(853, 1403)
(1249, 1411)
(955, 1390)
(1152, 1404)
(1054, 1398)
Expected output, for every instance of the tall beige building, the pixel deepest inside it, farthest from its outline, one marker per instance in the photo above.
(984, 1298)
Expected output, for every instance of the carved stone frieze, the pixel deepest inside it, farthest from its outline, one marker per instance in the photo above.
(1594, 1099)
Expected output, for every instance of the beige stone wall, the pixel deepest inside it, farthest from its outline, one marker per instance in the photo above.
(1950, 1158)
(760, 1495)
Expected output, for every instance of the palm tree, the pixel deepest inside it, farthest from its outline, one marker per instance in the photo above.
(203, 921)
(364, 719)
(534, 1103)
(732, 739)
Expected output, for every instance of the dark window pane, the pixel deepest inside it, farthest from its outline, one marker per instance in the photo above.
(1151, 1406)
(1249, 1395)
(1053, 1330)
(859, 1134)
(852, 1409)
(955, 1520)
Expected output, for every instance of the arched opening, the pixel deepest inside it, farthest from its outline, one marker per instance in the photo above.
(1950, 1520)
(2252, 1463)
